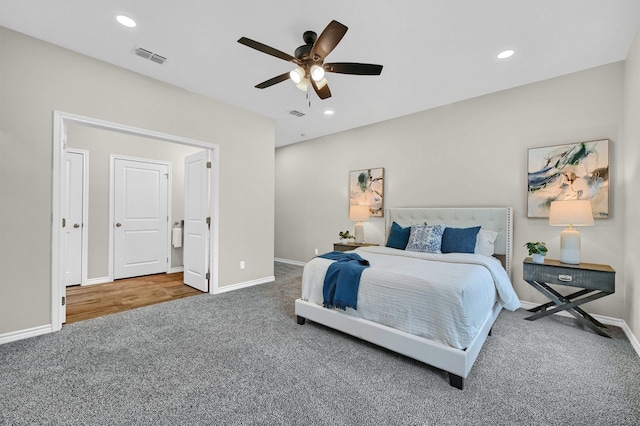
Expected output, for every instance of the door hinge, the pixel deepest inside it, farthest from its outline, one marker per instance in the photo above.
(64, 300)
(64, 222)
(207, 276)
(209, 221)
(208, 164)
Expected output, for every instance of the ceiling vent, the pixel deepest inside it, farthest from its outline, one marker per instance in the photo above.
(146, 54)
(297, 113)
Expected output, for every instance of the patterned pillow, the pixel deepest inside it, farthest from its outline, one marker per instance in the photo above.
(426, 238)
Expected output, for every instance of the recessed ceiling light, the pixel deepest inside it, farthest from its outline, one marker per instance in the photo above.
(328, 112)
(126, 21)
(505, 54)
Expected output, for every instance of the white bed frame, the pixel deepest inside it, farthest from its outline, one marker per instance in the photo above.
(456, 362)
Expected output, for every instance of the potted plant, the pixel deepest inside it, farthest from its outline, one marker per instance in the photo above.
(345, 235)
(537, 251)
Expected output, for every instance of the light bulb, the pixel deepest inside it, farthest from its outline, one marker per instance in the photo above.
(297, 75)
(317, 73)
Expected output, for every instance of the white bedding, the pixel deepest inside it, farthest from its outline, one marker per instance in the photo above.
(442, 297)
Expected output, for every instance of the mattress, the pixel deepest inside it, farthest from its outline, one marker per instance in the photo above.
(441, 297)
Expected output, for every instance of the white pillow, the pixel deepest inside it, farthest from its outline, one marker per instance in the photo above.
(485, 242)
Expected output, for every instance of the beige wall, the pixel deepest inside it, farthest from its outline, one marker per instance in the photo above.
(468, 153)
(632, 180)
(37, 78)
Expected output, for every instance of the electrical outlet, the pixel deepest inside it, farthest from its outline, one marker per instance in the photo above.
(242, 264)
(316, 251)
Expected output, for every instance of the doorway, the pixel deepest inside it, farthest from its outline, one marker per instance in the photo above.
(61, 121)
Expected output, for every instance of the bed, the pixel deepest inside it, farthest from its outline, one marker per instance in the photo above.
(441, 318)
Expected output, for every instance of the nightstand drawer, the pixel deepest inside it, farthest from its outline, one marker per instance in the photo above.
(578, 276)
(350, 246)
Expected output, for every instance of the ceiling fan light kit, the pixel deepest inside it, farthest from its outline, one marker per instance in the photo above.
(309, 59)
(297, 75)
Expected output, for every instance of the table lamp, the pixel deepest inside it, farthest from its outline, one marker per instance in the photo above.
(570, 213)
(358, 214)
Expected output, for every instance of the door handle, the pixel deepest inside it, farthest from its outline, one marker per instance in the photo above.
(76, 225)
(118, 225)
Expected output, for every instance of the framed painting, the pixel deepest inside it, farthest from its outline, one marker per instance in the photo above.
(577, 171)
(366, 187)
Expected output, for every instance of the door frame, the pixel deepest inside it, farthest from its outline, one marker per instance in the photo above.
(112, 195)
(85, 211)
(60, 121)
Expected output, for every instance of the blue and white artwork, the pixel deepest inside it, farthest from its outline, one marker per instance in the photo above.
(366, 188)
(578, 171)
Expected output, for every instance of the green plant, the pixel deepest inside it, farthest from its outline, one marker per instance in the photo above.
(537, 248)
(345, 235)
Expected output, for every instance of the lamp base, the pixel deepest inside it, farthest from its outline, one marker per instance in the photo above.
(359, 233)
(570, 246)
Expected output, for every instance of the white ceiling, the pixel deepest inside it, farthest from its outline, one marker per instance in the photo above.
(434, 52)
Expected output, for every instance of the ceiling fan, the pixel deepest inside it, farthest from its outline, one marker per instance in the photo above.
(309, 59)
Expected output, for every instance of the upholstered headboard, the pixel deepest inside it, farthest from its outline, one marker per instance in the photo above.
(499, 219)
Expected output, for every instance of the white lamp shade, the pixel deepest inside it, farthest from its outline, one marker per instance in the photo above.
(297, 75)
(321, 83)
(317, 72)
(304, 84)
(571, 213)
(358, 213)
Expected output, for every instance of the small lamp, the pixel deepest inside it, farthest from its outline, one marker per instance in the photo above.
(358, 214)
(570, 213)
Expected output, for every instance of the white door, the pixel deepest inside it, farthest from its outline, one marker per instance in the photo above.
(141, 221)
(72, 217)
(196, 230)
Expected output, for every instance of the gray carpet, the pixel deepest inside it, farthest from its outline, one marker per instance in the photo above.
(240, 358)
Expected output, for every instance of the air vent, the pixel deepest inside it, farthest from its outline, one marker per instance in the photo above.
(146, 54)
(297, 113)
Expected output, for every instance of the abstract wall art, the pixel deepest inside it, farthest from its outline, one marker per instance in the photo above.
(577, 171)
(366, 187)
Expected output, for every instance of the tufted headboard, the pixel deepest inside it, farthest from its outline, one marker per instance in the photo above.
(499, 219)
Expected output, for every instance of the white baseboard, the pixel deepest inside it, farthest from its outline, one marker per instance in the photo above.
(616, 322)
(99, 280)
(25, 334)
(245, 284)
(290, 262)
(176, 270)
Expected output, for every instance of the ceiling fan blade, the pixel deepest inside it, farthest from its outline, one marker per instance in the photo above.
(272, 81)
(353, 68)
(266, 49)
(328, 40)
(324, 92)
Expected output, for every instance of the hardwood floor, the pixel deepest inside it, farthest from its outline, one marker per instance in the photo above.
(102, 299)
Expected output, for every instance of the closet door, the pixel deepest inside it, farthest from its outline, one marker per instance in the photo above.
(196, 228)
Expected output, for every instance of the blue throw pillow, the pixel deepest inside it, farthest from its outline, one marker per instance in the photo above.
(459, 240)
(398, 236)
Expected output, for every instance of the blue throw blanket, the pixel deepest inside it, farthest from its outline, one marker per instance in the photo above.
(340, 288)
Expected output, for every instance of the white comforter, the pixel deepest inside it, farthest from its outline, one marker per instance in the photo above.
(442, 297)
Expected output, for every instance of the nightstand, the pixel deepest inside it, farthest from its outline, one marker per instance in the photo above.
(596, 281)
(350, 246)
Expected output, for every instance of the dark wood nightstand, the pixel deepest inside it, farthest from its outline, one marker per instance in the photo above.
(350, 246)
(596, 281)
